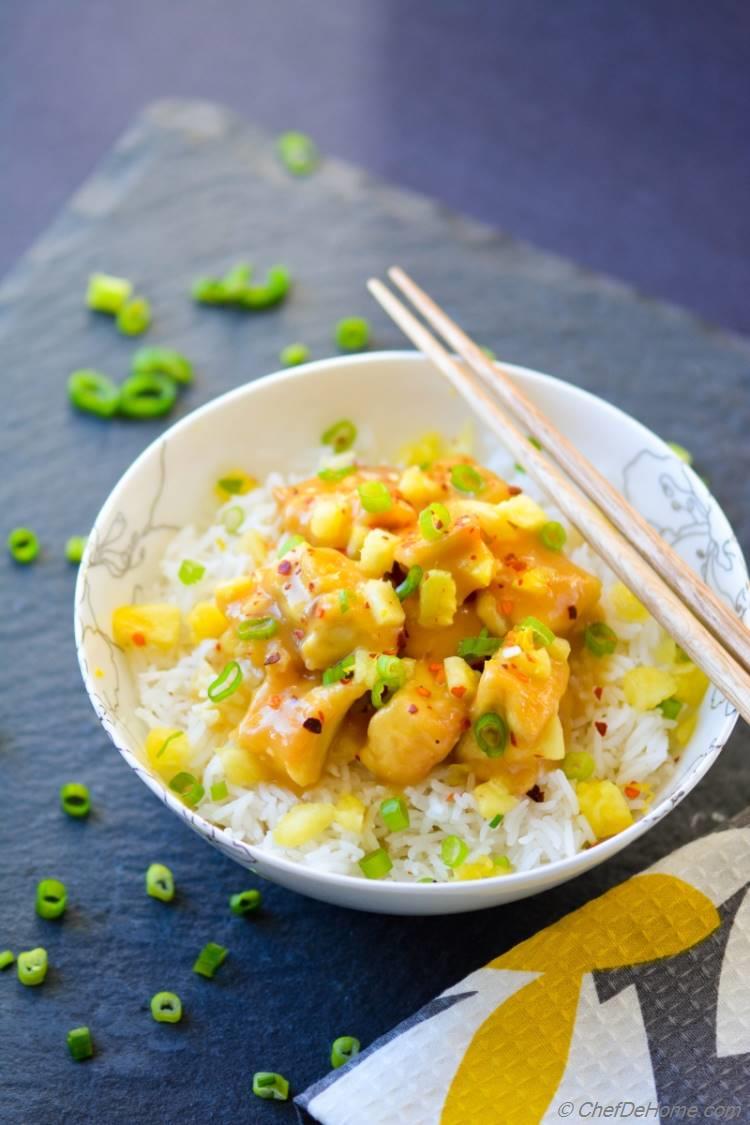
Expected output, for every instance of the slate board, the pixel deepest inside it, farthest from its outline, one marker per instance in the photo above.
(188, 190)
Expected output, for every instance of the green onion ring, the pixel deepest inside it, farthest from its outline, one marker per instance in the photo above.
(339, 671)
(233, 519)
(257, 628)
(553, 535)
(147, 396)
(162, 361)
(600, 639)
(166, 1007)
(341, 435)
(93, 393)
(332, 476)
(226, 683)
(51, 898)
(491, 734)
(187, 787)
(23, 545)
(75, 799)
(466, 479)
(542, 634)
(434, 521)
(343, 1049)
(374, 496)
(410, 584)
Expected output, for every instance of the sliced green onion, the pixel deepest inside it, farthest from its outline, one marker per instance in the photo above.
(390, 676)
(6, 959)
(246, 902)
(190, 572)
(235, 281)
(188, 788)
(352, 334)
(209, 959)
(160, 882)
(233, 486)
(343, 1049)
(434, 521)
(226, 683)
(453, 851)
(680, 451)
(600, 639)
(297, 152)
(339, 671)
(75, 547)
(535, 442)
(294, 354)
(106, 293)
(51, 898)
(289, 544)
(496, 821)
(553, 535)
(32, 966)
(670, 708)
(340, 436)
(395, 814)
(93, 393)
(23, 545)
(210, 291)
(233, 519)
(332, 476)
(502, 862)
(257, 628)
(466, 479)
(75, 799)
(166, 1007)
(169, 739)
(162, 361)
(543, 636)
(273, 290)
(410, 584)
(478, 648)
(374, 496)
(219, 790)
(134, 317)
(272, 1087)
(491, 733)
(344, 601)
(578, 765)
(79, 1043)
(379, 694)
(147, 396)
(376, 865)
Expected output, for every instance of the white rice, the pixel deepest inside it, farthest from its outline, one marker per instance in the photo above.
(635, 747)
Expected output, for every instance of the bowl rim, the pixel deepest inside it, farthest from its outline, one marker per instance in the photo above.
(558, 870)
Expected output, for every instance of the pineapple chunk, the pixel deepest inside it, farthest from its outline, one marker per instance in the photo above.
(134, 626)
(645, 688)
(235, 590)
(683, 732)
(691, 686)
(168, 751)
(205, 620)
(303, 822)
(425, 449)
(489, 613)
(535, 580)
(437, 599)
(604, 807)
(489, 517)
(350, 813)
(461, 680)
(242, 768)
(416, 487)
(551, 744)
(255, 546)
(378, 549)
(522, 511)
(385, 607)
(626, 605)
(356, 540)
(330, 522)
(481, 868)
(493, 799)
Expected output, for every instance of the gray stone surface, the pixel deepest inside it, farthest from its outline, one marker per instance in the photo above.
(189, 190)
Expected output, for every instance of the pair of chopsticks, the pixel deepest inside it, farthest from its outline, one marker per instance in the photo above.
(712, 636)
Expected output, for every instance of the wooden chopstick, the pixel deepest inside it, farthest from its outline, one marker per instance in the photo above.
(693, 591)
(702, 647)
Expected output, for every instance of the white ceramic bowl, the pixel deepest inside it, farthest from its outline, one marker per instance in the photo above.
(395, 395)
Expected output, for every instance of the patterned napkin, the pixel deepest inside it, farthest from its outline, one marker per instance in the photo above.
(635, 1007)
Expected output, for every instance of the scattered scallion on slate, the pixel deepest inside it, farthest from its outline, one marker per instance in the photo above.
(51, 898)
(32, 966)
(294, 354)
(376, 865)
(74, 548)
(147, 396)
(352, 334)
(166, 1007)
(343, 1049)
(162, 361)
(7, 958)
(75, 799)
(80, 1043)
(23, 545)
(340, 436)
(160, 882)
(235, 290)
(270, 1086)
(108, 294)
(134, 317)
(246, 902)
(93, 393)
(297, 152)
(209, 959)
(188, 788)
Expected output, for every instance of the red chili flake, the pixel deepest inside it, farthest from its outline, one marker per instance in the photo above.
(311, 587)
(412, 708)
(285, 567)
(602, 728)
(632, 791)
(138, 639)
(514, 490)
(217, 647)
(275, 702)
(273, 658)
(424, 692)
(535, 794)
(459, 691)
(319, 611)
(451, 797)
(435, 668)
(466, 724)
(506, 608)
(517, 565)
(513, 739)
(598, 692)
(298, 634)
(313, 724)
(572, 612)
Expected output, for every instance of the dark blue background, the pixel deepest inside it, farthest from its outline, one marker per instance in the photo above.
(616, 132)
